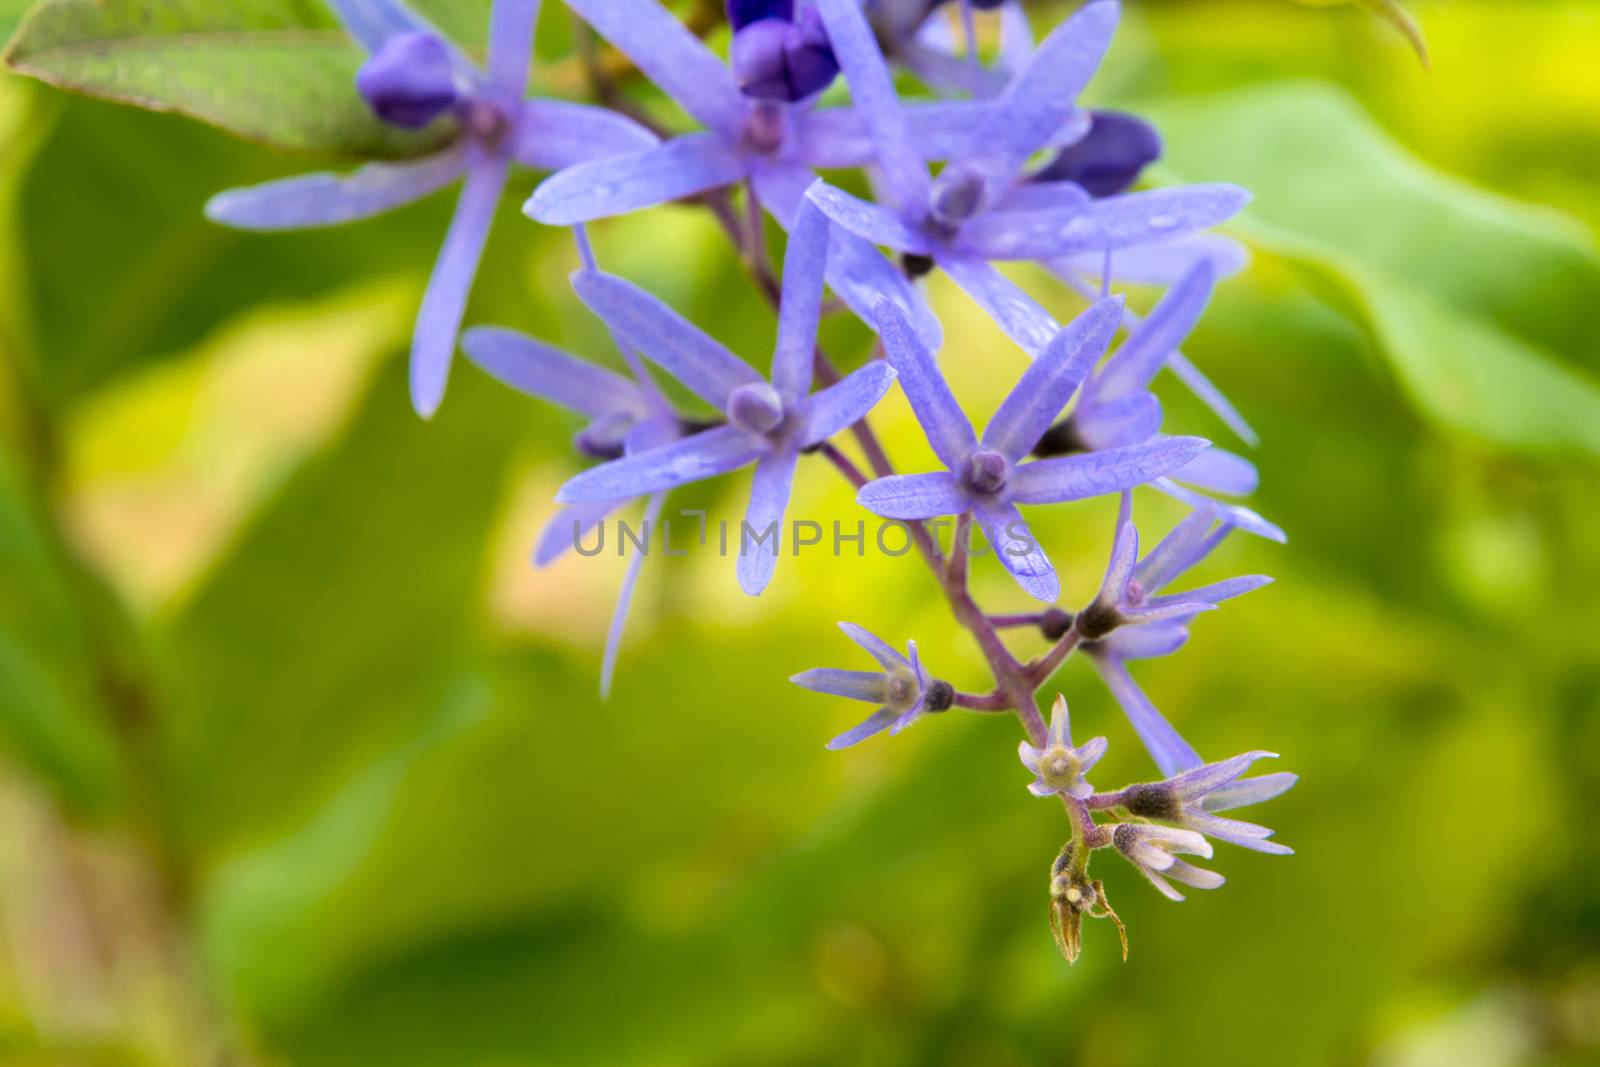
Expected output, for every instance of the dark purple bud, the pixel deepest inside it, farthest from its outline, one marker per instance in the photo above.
(987, 472)
(755, 408)
(1110, 157)
(410, 81)
(604, 437)
(957, 193)
(742, 13)
(775, 59)
(941, 695)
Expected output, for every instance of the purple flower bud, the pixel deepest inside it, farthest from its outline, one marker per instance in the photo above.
(1110, 157)
(987, 472)
(957, 195)
(755, 408)
(776, 59)
(410, 81)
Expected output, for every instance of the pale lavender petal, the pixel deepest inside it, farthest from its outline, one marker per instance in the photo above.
(1044, 196)
(1244, 792)
(1126, 420)
(330, 199)
(1217, 592)
(616, 185)
(878, 721)
(511, 25)
(1209, 395)
(1234, 832)
(1187, 873)
(1049, 382)
(1054, 481)
(1040, 788)
(914, 496)
(844, 403)
(373, 22)
(1016, 37)
(1164, 262)
(1124, 554)
(800, 308)
(1170, 751)
(619, 617)
(875, 646)
(949, 73)
(877, 224)
(671, 56)
(1167, 609)
(1234, 514)
(838, 138)
(1220, 471)
(1018, 550)
(1013, 310)
(869, 686)
(1091, 753)
(569, 526)
(544, 371)
(1150, 641)
(1185, 545)
(1200, 779)
(556, 134)
(1145, 352)
(769, 499)
(691, 459)
(1114, 223)
(872, 93)
(1029, 756)
(664, 337)
(936, 408)
(445, 303)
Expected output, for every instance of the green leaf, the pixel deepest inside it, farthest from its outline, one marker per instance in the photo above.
(1483, 306)
(277, 71)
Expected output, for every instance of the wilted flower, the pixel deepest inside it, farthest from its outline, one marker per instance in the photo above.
(1152, 849)
(414, 76)
(903, 689)
(1059, 767)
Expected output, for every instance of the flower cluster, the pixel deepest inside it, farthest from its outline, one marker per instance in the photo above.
(1028, 176)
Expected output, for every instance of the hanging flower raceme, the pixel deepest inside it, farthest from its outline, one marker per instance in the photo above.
(1059, 766)
(414, 76)
(903, 690)
(987, 478)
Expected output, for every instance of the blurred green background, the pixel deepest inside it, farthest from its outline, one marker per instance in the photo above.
(301, 763)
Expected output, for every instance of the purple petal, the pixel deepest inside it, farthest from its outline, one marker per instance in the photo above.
(670, 56)
(1054, 481)
(1197, 781)
(570, 524)
(1164, 214)
(872, 93)
(1145, 351)
(1209, 395)
(619, 617)
(868, 686)
(1170, 751)
(1013, 310)
(1124, 554)
(331, 199)
(1042, 96)
(1216, 592)
(1168, 608)
(1164, 262)
(1161, 884)
(1185, 545)
(616, 185)
(914, 496)
(434, 343)
(946, 427)
(692, 459)
(869, 221)
(1149, 641)
(556, 134)
(544, 371)
(373, 22)
(844, 403)
(1244, 792)
(1126, 420)
(511, 25)
(1221, 472)
(1018, 550)
(1187, 873)
(800, 308)
(769, 499)
(1050, 381)
(1034, 196)
(1233, 514)
(875, 646)
(664, 337)
(879, 720)
(838, 138)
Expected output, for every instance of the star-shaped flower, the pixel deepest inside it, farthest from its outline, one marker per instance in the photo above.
(769, 423)
(902, 688)
(412, 77)
(1192, 798)
(982, 208)
(1059, 766)
(988, 478)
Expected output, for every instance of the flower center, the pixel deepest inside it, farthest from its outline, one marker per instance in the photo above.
(903, 690)
(485, 122)
(957, 193)
(755, 408)
(1058, 766)
(765, 124)
(987, 472)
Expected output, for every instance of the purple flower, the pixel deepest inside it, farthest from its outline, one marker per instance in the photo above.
(1128, 621)
(902, 687)
(413, 76)
(1059, 767)
(1152, 850)
(988, 478)
(918, 36)
(626, 416)
(768, 138)
(1191, 799)
(982, 208)
(769, 423)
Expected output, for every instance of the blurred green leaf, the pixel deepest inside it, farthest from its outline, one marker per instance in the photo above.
(1427, 257)
(277, 71)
